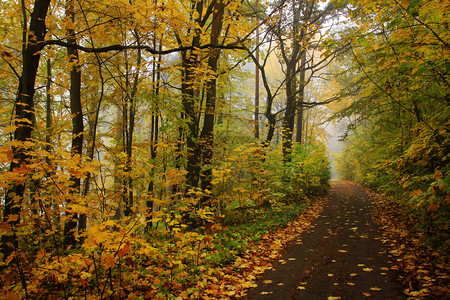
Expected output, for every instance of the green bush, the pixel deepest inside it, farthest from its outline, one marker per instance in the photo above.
(307, 174)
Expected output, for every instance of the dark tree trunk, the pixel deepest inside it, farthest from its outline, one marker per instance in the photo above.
(24, 116)
(257, 86)
(289, 116)
(301, 99)
(154, 133)
(189, 100)
(77, 124)
(131, 109)
(207, 135)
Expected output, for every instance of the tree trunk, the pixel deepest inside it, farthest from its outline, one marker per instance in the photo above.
(207, 135)
(289, 115)
(257, 85)
(156, 77)
(301, 98)
(24, 116)
(77, 124)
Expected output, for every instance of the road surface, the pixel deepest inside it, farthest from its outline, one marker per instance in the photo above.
(341, 257)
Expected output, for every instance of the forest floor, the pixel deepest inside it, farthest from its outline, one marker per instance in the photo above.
(356, 248)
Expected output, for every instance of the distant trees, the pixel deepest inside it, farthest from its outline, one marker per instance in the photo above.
(296, 37)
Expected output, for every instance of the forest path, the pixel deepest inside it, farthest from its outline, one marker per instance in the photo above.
(341, 257)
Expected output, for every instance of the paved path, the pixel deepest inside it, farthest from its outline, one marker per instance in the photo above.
(339, 258)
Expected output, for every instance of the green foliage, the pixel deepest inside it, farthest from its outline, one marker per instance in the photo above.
(254, 176)
(305, 176)
(400, 91)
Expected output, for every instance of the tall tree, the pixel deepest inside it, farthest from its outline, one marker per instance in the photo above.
(33, 36)
(77, 120)
(297, 29)
(207, 134)
(205, 15)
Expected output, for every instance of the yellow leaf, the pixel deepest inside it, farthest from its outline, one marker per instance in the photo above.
(109, 260)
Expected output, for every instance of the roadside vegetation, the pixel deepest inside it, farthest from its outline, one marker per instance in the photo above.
(399, 93)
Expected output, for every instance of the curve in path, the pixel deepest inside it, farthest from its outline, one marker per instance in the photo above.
(341, 257)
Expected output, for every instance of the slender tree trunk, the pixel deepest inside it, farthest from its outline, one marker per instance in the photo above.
(301, 98)
(77, 123)
(24, 116)
(131, 110)
(156, 77)
(257, 85)
(93, 122)
(56, 218)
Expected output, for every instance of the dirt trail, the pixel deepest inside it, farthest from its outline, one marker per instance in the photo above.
(339, 258)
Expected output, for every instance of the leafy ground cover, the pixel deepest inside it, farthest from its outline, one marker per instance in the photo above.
(424, 270)
(218, 260)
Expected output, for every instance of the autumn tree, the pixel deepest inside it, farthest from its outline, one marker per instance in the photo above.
(32, 44)
(400, 105)
(297, 37)
(208, 17)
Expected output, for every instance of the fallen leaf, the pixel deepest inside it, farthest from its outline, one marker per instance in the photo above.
(267, 281)
(342, 251)
(367, 294)
(375, 288)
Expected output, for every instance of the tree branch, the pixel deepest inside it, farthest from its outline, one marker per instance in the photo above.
(231, 46)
